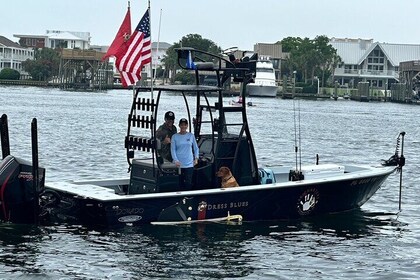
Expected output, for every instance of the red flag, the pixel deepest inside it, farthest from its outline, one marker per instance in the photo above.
(135, 53)
(122, 36)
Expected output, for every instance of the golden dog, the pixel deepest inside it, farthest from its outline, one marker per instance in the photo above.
(228, 181)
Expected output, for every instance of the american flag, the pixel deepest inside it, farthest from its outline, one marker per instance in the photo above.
(136, 53)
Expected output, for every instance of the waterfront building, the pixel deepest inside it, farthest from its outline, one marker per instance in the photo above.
(158, 53)
(373, 62)
(56, 39)
(12, 55)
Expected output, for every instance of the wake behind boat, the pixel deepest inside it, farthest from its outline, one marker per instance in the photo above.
(153, 194)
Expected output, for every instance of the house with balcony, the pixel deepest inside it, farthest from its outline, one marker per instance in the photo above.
(158, 53)
(56, 39)
(12, 55)
(372, 62)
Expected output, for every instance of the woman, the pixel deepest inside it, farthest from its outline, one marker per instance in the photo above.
(184, 151)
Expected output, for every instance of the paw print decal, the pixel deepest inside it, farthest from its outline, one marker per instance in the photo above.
(307, 201)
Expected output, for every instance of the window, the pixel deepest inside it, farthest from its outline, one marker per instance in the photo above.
(375, 60)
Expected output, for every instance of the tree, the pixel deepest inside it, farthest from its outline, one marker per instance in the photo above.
(290, 43)
(185, 77)
(193, 41)
(310, 58)
(9, 74)
(44, 66)
(329, 59)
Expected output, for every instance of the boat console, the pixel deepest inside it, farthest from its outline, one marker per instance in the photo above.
(221, 131)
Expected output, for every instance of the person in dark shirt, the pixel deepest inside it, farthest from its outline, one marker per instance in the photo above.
(164, 134)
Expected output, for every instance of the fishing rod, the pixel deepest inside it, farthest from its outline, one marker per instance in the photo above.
(300, 138)
(401, 163)
(296, 146)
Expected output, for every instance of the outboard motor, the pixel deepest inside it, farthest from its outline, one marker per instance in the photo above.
(19, 196)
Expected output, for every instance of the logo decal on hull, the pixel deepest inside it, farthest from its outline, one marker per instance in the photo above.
(202, 206)
(307, 201)
(129, 219)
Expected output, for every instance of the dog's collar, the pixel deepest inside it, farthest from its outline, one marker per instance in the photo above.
(225, 180)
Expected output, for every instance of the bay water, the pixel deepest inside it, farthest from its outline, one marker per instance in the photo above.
(81, 136)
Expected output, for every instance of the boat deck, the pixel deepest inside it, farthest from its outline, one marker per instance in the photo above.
(108, 190)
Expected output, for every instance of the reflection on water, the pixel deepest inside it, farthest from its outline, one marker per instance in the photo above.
(199, 251)
(81, 136)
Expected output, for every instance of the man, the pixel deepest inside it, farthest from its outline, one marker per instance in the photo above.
(164, 134)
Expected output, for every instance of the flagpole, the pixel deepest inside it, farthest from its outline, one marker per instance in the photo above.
(133, 85)
(151, 49)
(157, 46)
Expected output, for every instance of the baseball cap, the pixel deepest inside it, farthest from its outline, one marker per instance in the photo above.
(170, 115)
(183, 120)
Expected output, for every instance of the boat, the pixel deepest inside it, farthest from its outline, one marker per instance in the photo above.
(264, 84)
(239, 102)
(151, 192)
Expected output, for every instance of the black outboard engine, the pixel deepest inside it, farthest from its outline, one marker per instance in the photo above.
(19, 196)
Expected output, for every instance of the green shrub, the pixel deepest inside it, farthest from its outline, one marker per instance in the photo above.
(9, 74)
(185, 78)
(310, 89)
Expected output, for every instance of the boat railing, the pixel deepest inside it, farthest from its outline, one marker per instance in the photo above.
(241, 70)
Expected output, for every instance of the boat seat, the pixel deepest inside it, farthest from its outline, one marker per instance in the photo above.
(205, 146)
(164, 163)
(204, 65)
(167, 165)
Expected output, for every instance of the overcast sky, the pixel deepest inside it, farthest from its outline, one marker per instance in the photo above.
(228, 23)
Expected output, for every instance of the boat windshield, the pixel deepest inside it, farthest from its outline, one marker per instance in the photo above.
(265, 70)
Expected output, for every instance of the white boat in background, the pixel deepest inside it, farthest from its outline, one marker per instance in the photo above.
(265, 80)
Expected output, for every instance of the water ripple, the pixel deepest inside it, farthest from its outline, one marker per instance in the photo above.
(81, 136)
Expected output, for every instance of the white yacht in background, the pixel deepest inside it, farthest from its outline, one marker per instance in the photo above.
(265, 80)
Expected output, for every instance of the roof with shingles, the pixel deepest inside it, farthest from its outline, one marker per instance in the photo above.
(355, 52)
(8, 43)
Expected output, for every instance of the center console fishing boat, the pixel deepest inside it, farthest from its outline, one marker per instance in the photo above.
(152, 192)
